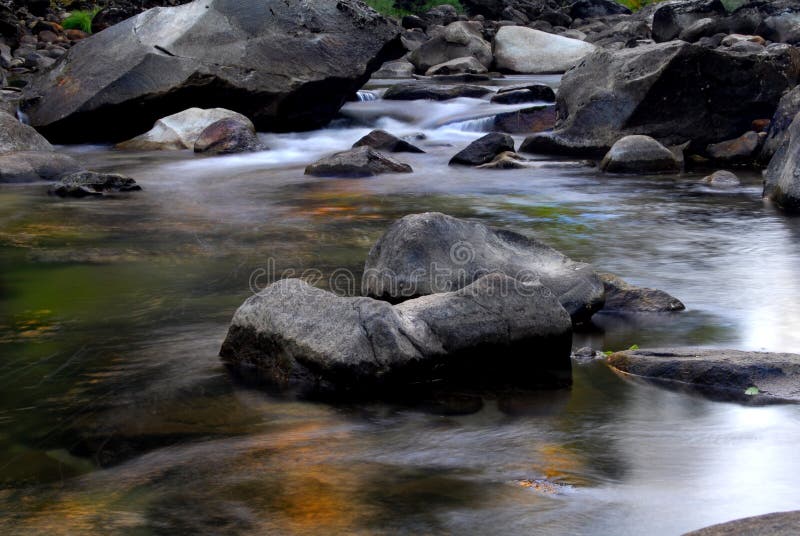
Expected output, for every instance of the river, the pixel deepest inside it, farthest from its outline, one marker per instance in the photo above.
(116, 416)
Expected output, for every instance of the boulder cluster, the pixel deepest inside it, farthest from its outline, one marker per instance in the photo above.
(445, 301)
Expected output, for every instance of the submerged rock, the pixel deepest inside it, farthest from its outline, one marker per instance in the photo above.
(483, 150)
(722, 178)
(639, 154)
(621, 296)
(541, 92)
(427, 253)
(300, 336)
(362, 161)
(32, 166)
(524, 50)
(90, 183)
(228, 136)
(418, 91)
(782, 177)
(383, 141)
(505, 160)
(673, 92)
(515, 97)
(181, 130)
(776, 524)
(727, 374)
(286, 65)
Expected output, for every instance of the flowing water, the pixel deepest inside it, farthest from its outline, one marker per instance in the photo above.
(116, 416)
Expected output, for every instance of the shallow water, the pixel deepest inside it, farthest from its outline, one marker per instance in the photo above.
(117, 417)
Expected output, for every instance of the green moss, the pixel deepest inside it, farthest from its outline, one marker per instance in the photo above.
(388, 7)
(80, 20)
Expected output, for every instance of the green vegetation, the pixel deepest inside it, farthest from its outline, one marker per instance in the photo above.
(752, 391)
(80, 20)
(390, 7)
(636, 5)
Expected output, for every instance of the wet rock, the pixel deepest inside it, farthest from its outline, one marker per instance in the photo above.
(523, 50)
(468, 65)
(359, 162)
(381, 140)
(542, 92)
(458, 40)
(303, 337)
(673, 92)
(788, 108)
(527, 120)
(777, 524)
(782, 176)
(728, 374)
(417, 91)
(32, 166)
(722, 178)
(515, 97)
(621, 296)
(118, 82)
(181, 130)
(92, 184)
(505, 160)
(483, 150)
(14, 136)
(395, 69)
(427, 253)
(737, 151)
(587, 9)
(639, 154)
(587, 354)
(228, 136)
(673, 18)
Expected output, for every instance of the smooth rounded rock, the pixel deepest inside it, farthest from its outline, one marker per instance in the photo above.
(361, 161)
(483, 150)
(639, 154)
(228, 136)
(381, 140)
(524, 50)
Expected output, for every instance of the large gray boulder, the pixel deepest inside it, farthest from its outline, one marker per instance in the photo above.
(429, 253)
(673, 18)
(458, 40)
(495, 329)
(524, 50)
(286, 65)
(729, 374)
(33, 166)
(674, 92)
(782, 177)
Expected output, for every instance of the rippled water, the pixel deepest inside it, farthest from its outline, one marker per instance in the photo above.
(117, 417)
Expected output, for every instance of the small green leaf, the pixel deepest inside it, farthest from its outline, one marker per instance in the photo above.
(608, 353)
(751, 391)
(634, 347)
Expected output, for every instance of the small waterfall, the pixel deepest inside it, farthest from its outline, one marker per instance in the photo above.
(482, 124)
(22, 117)
(366, 96)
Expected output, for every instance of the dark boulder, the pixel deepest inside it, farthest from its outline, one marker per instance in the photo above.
(727, 374)
(227, 136)
(622, 297)
(515, 97)
(527, 120)
(673, 18)
(782, 177)
(298, 336)
(428, 253)
(418, 91)
(118, 82)
(542, 92)
(483, 150)
(587, 9)
(359, 162)
(673, 92)
(458, 40)
(381, 140)
(92, 184)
